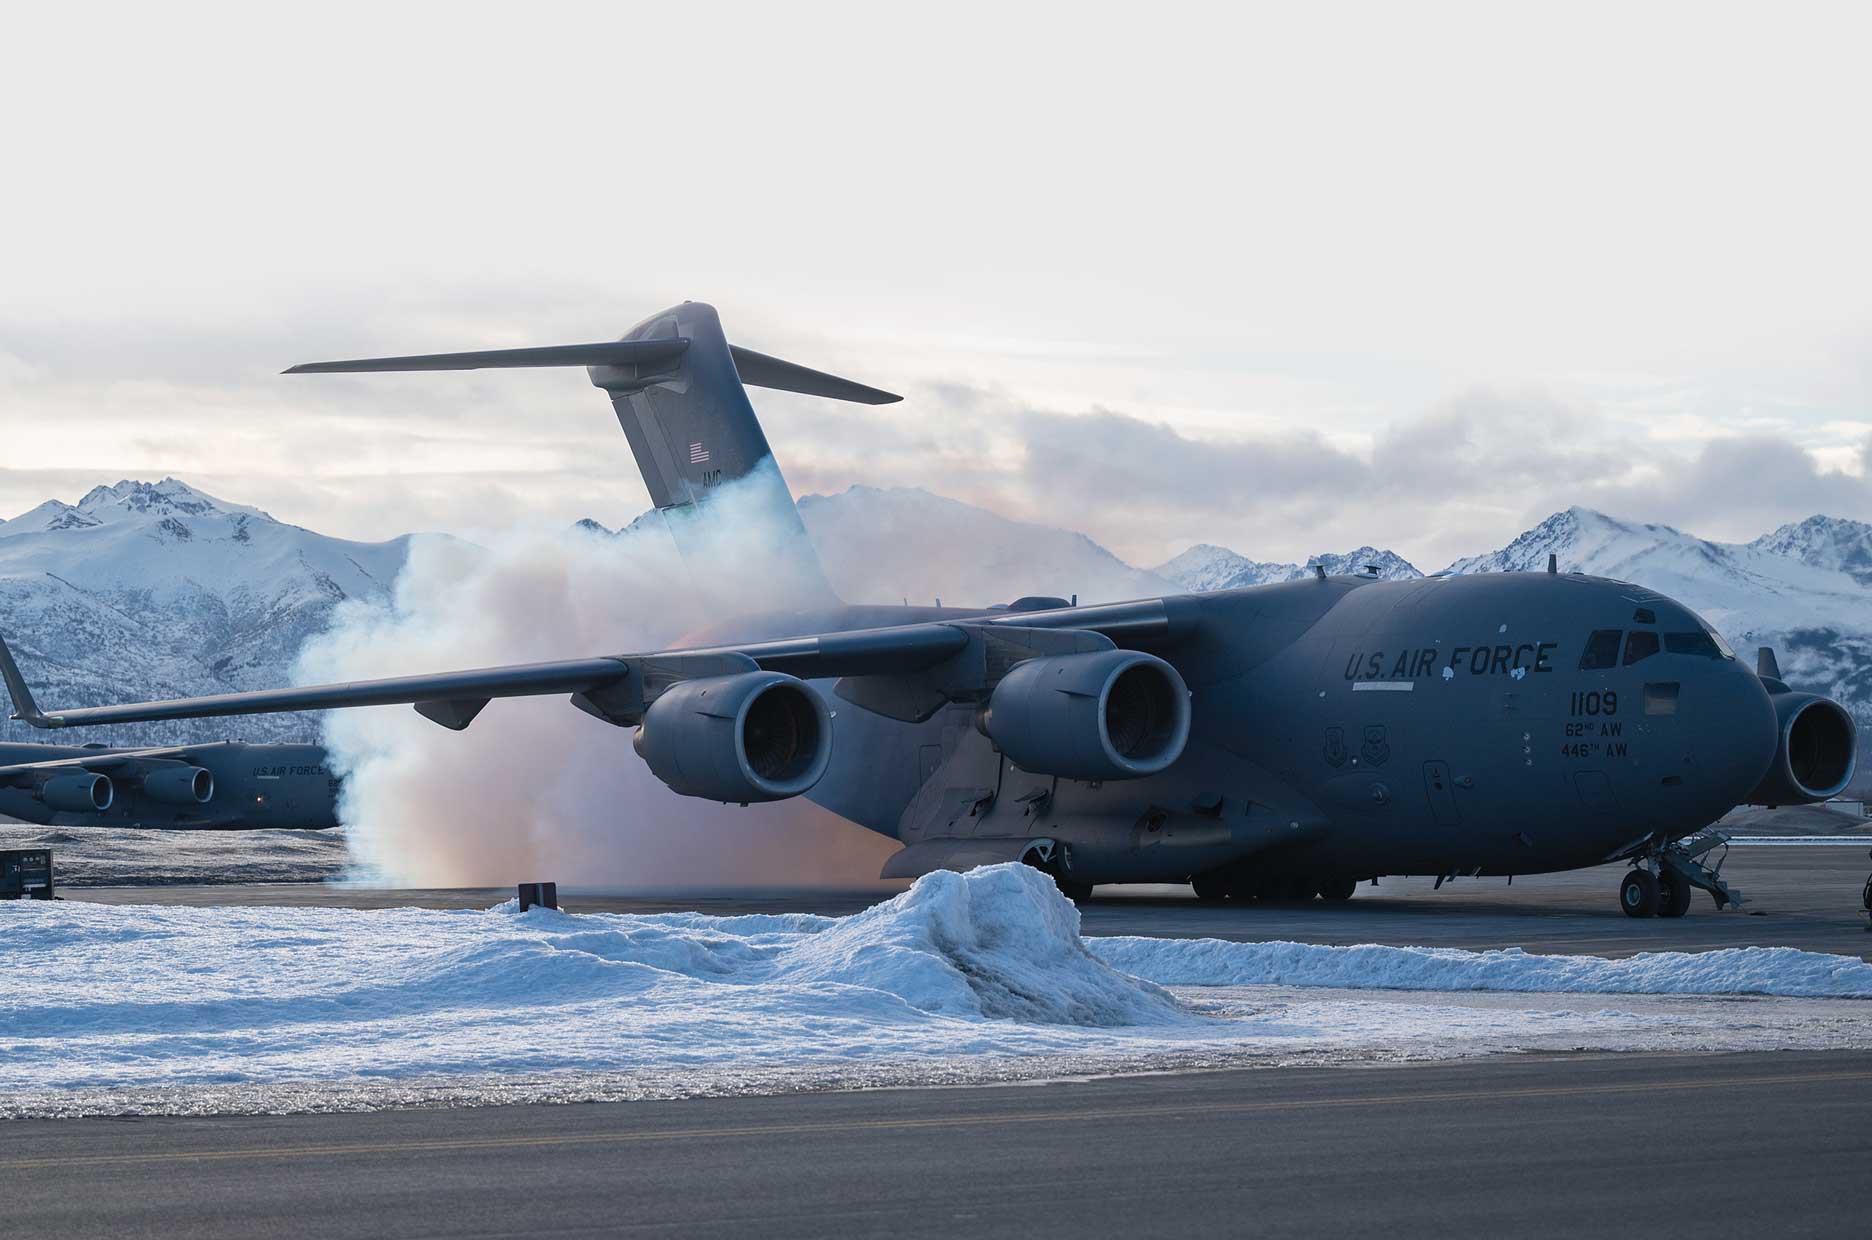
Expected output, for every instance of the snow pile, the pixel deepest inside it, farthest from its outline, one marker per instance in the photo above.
(999, 943)
(963, 977)
(984, 963)
(1783, 971)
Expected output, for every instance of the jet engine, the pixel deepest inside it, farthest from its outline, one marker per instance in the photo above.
(81, 792)
(1815, 755)
(1110, 714)
(755, 736)
(187, 785)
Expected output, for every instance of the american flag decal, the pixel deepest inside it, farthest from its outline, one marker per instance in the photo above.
(698, 455)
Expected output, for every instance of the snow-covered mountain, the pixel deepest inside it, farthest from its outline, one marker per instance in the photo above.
(1209, 567)
(886, 545)
(1794, 589)
(150, 590)
(1825, 542)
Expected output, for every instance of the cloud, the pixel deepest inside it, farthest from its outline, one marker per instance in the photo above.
(1272, 459)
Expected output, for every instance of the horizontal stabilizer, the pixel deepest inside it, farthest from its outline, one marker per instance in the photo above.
(760, 370)
(604, 353)
(755, 369)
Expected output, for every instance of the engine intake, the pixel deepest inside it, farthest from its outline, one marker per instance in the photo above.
(1111, 714)
(188, 785)
(1816, 754)
(756, 736)
(79, 793)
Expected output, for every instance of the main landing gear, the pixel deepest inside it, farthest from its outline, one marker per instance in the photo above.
(1252, 887)
(1055, 859)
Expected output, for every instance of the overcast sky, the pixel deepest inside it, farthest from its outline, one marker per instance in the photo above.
(1290, 279)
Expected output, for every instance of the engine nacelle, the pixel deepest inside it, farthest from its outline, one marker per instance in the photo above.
(1816, 754)
(81, 792)
(755, 736)
(188, 785)
(1111, 714)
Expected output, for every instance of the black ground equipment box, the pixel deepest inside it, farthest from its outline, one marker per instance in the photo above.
(25, 874)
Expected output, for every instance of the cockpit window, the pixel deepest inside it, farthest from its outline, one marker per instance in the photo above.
(1698, 643)
(1640, 645)
(1601, 649)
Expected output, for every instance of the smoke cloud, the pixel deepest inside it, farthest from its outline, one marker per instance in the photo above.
(537, 789)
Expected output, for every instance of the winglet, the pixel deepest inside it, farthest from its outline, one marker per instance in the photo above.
(24, 708)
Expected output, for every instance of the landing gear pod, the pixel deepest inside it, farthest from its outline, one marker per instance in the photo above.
(757, 736)
(1111, 714)
(1815, 755)
(79, 793)
(189, 785)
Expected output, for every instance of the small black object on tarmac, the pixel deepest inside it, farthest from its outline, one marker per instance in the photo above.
(1866, 899)
(543, 895)
(26, 874)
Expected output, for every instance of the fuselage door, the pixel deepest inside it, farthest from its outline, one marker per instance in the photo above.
(1442, 793)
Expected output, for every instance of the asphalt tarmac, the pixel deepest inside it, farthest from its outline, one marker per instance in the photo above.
(1805, 896)
(1756, 1144)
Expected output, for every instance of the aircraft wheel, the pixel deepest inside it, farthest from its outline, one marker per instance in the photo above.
(1295, 889)
(1247, 887)
(1638, 894)
(1337, 890)
(1673, 897)
(1210, 888)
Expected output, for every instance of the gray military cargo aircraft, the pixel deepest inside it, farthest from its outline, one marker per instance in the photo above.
(221, 786)
(1276, 742)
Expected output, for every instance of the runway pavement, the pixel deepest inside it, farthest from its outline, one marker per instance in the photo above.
(1758, 1144)
(1804, 896)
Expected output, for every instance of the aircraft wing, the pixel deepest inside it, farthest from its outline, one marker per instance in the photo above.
(617, 688)
(102, 762)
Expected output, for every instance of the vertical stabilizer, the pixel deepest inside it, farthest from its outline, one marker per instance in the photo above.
(677, 386)
(692, 429)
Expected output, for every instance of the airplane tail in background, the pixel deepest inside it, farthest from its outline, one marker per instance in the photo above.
(678, 388)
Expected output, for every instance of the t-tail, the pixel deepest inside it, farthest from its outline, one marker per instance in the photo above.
(678, 388)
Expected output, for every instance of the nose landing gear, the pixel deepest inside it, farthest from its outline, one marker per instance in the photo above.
(1638, 894)
(1662, 876)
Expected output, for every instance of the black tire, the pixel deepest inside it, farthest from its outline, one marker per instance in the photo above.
(1246, 887)
(1673, 896)
(1337, 890)
(1638, 894)
(1297, 889)
(1211, 888)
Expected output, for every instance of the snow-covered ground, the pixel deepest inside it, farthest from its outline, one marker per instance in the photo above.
(962, 978)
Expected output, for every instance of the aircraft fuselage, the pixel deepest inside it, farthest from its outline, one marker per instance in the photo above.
(278, 786)
(1493, 724)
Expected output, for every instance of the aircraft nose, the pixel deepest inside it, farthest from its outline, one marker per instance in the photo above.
(1733, 730)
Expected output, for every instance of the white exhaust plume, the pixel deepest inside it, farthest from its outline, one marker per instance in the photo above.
(536, 789)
